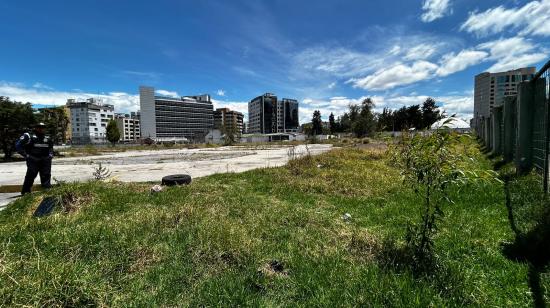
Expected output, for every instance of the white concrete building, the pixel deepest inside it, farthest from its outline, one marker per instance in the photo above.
(89, 120)
(128, 126)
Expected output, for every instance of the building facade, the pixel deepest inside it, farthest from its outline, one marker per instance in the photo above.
(170, 118)
(267, 115)
(228, 120)
(89, 120)
(128, 126)
(491, 88)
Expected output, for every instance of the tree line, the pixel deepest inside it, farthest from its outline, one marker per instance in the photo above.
(362, 121)
(17, 118)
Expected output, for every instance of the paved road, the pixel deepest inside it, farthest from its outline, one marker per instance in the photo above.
(151, 166)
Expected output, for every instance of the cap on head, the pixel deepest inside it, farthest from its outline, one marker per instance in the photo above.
(40, 125)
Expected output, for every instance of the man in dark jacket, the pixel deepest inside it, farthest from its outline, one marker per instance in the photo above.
(37, 148)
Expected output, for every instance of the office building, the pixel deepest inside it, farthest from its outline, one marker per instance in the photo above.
(228, 120)
(289, 123)
(491, 88)
(128, 126)
(89, 120)
(267, 115)
(174, 118)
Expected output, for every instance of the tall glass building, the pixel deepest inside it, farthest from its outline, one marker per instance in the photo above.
(162, 117)
(267, 115)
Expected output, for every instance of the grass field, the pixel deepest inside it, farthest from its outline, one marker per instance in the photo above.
(270, 237)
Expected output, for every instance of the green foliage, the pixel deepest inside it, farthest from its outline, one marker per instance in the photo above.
(230, 134)
(332, 124)
(430, 166)
(113, 134)
(268, 237)
(56, 121)
(15, 119)
(316, 123)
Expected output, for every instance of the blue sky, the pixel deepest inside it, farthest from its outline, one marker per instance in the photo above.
(326, 54)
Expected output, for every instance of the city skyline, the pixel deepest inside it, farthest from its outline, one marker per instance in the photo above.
(326, 56)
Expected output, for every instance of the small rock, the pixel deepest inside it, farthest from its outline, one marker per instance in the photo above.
(319, 166)
(156, 189)
(346, 217)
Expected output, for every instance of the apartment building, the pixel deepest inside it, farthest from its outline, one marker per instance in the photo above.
(128, 126)
(228, 120)
(174, 118)
(89, 120)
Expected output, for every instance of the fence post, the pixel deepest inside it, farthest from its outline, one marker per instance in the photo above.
(524, 158)
(509, 128)
(496, 118)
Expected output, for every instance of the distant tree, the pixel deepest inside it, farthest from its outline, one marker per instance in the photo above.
(430, 113)
(113, 134)
(15, 119)
(386, 120)
(365, 121)
(344, 125)
(230, 134)
(56, 121)
(317, 123)
(414, 116)
(332, 124)
(307, 129)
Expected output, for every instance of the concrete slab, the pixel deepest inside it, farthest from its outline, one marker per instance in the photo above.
(7, 198)
(151, 166)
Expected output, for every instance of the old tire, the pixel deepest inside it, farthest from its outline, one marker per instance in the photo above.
(176, 179)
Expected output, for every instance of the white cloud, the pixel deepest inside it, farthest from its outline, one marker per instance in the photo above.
(167, 93)
(399, 74)
(435, 9)
(532, 18)
(332, 85)
(452, 63)
(220, 92)
(513, 53)
(40, 85)
(421, 52)
(122, 101)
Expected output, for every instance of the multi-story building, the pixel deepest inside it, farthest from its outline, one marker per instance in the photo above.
(267, 115)
(491, 88)
(89, 120)
(290, 123)
(228, 120)
(162, 117)
(128, 126)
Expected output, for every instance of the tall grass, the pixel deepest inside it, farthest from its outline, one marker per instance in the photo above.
(269, 237)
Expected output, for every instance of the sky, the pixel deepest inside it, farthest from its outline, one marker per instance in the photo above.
(327, 54)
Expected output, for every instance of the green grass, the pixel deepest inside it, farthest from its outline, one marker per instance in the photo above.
(269, 237)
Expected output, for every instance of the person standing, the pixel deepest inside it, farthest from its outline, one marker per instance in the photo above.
(37, 149)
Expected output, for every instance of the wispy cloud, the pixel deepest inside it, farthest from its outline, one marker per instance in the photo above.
(123, 102)
(435, 9)
(452, 63)
(531, 19)
(167, 93)
(153, 76)
(512, 53)
(220, 92)
(397, 75)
